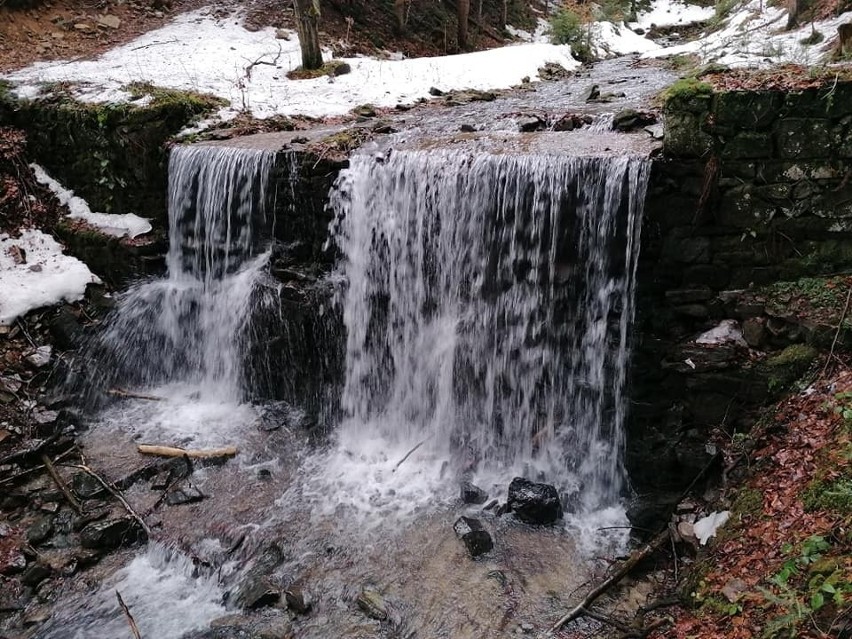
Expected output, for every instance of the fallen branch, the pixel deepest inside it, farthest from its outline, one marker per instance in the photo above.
(130, 621)
(837, 333)
(112, 490)
(635, 558)
(407, 455)
(120, 392)
(22, 455)
(13, 478)
(170, 451)
(61, 484)
(610, 621)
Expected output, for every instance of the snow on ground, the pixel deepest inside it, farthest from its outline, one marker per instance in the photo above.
(541, 33)
(127, 224)
(754, 35)
(196, 51)
(609, 39)
(45, 278)
(665, 13)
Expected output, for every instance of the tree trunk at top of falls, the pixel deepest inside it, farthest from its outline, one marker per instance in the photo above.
(307, 19)
(399, 12)
(504, 14)
(464, 13)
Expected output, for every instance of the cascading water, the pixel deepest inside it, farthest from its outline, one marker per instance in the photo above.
(487, 304)
(184, 337)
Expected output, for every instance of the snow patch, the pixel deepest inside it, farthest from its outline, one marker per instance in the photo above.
(127, 224)
(706, 527)
(667, 13)
(727, 332)
(45, 278)
(754, 36)
(611, 39)
(198, 52)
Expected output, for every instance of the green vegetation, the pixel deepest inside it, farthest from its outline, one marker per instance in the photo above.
(829, 495)
(330, 68)
(815, 37)
(723, 9)
(567, 27)
(685, 89)
(806, 582)
(161, 98)
(789, 365)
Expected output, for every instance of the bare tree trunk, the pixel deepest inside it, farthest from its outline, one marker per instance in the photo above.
(464, 14)
(792, 14)
(307, 19)
(479, 12)
(504, 14)
(399, 11)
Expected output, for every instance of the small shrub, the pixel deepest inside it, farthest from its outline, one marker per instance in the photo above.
(567, 27)
(814, 38)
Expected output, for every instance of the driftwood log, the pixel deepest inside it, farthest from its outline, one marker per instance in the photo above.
(170, 451)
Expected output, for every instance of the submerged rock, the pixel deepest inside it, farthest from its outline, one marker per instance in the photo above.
(184, 494)
(41, 529)
(298, 600)
(534, 503)
(372, 604)
(87, 487)
(471, 494)
(473, 534)
(259, 594)
(112, 534)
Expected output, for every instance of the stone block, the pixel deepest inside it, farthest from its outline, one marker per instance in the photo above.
(804, 138)
(747, 110)
(684, 137)
(687, 250)
(747, 146)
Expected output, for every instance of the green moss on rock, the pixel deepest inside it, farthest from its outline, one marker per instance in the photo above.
(789, 365)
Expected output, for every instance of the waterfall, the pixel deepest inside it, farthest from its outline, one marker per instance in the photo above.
(487, 301)
(185, 336)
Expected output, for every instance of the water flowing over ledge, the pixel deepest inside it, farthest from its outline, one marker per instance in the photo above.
(487, 305)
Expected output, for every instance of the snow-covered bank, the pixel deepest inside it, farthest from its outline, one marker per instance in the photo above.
(754, 35)
(35, 273)
(667, 13)
(122, 225)
(199, 52)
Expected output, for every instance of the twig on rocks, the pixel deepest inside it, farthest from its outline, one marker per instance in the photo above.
(837, 333)
(61, 484)
(120, 392)
(610, 621)
(130, 621)
(635, 558)
(115, 493)
(408, 454)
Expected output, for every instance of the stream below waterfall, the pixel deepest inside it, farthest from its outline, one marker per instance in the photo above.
(485, 292)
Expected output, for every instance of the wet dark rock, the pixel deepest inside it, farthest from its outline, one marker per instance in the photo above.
(87, 487)
(639, 31)
(92, 511)
(471, 494)
(473, 534)
(534, 503)
(530, 122)
(631, 119)
(35, 574)
(264, 474)
(365, 111)
(491, 505)
(571, 121)
(40, 530)
(435, 91)
(259, 594)
(298, 600)
(591, 93)
(372, 604)
(754, 332)
(553, 71)
(161, 480)
(467, 128)
(184, 494)
(66, 329)
(112, 534)
(12, 561)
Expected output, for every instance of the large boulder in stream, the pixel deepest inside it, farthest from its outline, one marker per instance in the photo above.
(534, 503)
